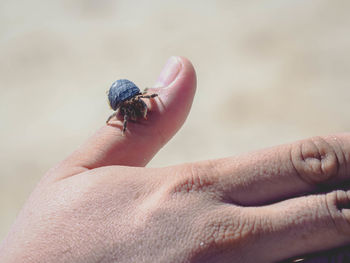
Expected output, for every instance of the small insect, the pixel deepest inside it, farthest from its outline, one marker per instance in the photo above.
(125, 98)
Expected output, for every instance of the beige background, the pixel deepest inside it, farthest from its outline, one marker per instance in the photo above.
(269, 72)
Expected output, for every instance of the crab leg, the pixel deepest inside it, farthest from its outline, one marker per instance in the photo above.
(126, 117)
(148, 96)
(110, 117)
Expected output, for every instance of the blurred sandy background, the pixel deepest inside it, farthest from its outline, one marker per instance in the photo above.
(269, 72)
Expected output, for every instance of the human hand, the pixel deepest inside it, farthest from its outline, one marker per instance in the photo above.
(101, 205)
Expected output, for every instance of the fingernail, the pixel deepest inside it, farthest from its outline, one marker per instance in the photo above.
(169, 72)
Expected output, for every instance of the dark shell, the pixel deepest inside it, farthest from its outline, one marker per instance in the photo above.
(121, 90)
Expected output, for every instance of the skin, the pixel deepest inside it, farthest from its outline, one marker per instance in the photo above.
(101, 205)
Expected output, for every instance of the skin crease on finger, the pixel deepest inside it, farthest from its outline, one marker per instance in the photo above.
(101, 206)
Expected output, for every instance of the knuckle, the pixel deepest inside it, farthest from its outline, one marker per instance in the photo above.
(194, 178)
(338, 207)
(227, 228)
(317, 159)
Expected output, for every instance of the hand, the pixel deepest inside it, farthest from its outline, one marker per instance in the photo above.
(101, 205)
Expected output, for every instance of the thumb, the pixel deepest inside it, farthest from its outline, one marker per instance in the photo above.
(143, 138)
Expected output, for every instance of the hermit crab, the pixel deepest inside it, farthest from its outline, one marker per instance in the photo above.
(125, 98)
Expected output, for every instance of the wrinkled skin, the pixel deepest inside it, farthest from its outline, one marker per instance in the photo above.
(101, 204)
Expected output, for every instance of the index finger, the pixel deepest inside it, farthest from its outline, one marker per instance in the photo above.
(285, 171)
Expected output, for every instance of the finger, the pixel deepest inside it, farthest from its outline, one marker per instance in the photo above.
(143, 138)
(305, 225)
(282, 172)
